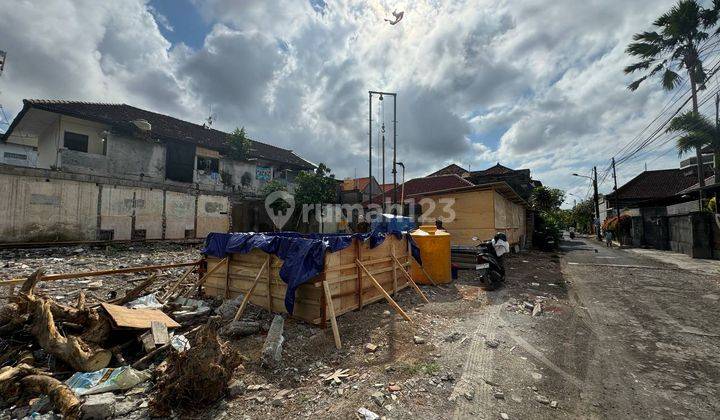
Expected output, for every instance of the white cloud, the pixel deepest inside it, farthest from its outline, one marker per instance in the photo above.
(540, 83)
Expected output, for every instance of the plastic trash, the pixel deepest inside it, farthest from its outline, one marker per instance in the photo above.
(106, 380)
(145, 302)
(180, 343)
(501, 247)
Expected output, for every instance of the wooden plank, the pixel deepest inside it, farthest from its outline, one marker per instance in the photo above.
(394, 270)
(249, 293)
(123, 317)
(358, 287)
(331, 311)
(177, 283)
(411, 281)
(222, 262)
(227, 276)
(384, 293)
(269, 282)
(52, 277)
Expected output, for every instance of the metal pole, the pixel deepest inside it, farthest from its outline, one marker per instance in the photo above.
(597, 201)
(370, 146)
(617, 205)
(395, 149)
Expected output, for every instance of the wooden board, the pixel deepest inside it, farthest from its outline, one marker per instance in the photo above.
(347, 286)
(123, 317)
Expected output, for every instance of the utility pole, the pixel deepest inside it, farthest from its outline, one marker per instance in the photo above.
(617, 205)
(597, 202)
(370, 146)
(394, 96)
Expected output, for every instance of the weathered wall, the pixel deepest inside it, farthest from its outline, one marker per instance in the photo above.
(18, 154)
(39, 209)
(691, 234)
(48, 144)
(179, 215)
(212, 215)
(48, 209)
(127, 158)
(509, 218)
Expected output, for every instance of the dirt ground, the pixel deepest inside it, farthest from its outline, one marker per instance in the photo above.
(615, 334)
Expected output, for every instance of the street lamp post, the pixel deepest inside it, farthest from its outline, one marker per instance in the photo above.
(595, 199)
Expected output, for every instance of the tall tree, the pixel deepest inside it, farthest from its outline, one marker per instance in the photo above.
(674, 47)
(697, 132)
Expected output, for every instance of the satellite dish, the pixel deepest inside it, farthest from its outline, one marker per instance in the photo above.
(142, 125)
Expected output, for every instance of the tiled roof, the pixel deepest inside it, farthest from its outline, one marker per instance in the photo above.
(164, 127)
(708, 182)
(451, 169)
(495, 170)
(419, 186)
(387, 187)
(351, 184)
(655, 184)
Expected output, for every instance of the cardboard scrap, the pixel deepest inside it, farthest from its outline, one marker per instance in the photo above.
(123, 317)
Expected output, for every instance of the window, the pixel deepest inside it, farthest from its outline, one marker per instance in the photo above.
(75, 141)
(208, 165)
(179, 161)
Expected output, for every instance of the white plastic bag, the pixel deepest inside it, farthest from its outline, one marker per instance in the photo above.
(501, 247)
(106, 380)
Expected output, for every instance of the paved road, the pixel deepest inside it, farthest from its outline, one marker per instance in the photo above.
(626, 337)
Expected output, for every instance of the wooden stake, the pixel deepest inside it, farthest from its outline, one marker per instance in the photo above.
(428, 276)
(331, 310)
(269, 281)
(204, 278)
(384, 293)
(394, 271)
(249, 293)
(409, 278)
(169, 293)
(227, 277)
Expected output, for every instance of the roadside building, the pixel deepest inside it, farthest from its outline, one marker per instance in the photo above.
(358, 190)
(114, 171)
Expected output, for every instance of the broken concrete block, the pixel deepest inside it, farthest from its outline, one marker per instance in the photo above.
(272, 350)
(378, 398)
(418, 339)
(98, 406)
(537, 310)
(370, 348)
(236, 388)
(240, 328)
(229, 308)
(542, 399)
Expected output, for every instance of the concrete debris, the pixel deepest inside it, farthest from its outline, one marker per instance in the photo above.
(542, 399)
(536, 376)
(370, 348)
(98, 406)
(493, 344)
(229, 308)
(378, 398)
(418, 340)
(240, 328)
(366, 414)
(237, 387)
(553, 404)
(469, 395)
(499, 395)
(504, 416)
(272, 350)
(454, 337)
(394, 387)
(537, 310)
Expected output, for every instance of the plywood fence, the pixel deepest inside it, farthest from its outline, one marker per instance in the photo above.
(348, 284)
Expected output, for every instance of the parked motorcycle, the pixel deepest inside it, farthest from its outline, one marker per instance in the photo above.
(485, 258)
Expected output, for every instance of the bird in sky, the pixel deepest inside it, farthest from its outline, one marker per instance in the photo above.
(398, 17)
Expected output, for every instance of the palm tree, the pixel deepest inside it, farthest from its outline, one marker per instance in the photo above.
(675, 47)
(697, 131)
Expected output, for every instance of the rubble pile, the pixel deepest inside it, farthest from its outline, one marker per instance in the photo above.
(97, 357)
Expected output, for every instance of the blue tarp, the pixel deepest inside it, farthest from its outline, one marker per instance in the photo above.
(392, 223)
(303, 255)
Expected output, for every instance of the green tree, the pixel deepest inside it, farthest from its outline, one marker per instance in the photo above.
(239, 144)
(697, 132)
(271, 187)
(582, 215)
(318, 187)
(546, 199)
(673, 47)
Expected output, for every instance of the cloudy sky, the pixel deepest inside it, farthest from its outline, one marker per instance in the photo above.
(528, 83)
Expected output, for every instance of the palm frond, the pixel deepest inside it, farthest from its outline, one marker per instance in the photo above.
(692, 122)
(670, 79)
(688, 143)
(636, 84)
(644, 50)
(640, 65)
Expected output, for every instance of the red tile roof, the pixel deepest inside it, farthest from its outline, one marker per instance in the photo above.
(451, 169)
(655, 184)
(355, 184)
(419, 186)
(495, 170)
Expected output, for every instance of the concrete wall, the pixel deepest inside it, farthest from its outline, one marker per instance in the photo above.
(48, 145)
(39, 209)
(18, 154)
(46, 209)
(691, 234)
(509, 218)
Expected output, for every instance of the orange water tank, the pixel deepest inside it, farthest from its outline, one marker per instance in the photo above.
(434, 247)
